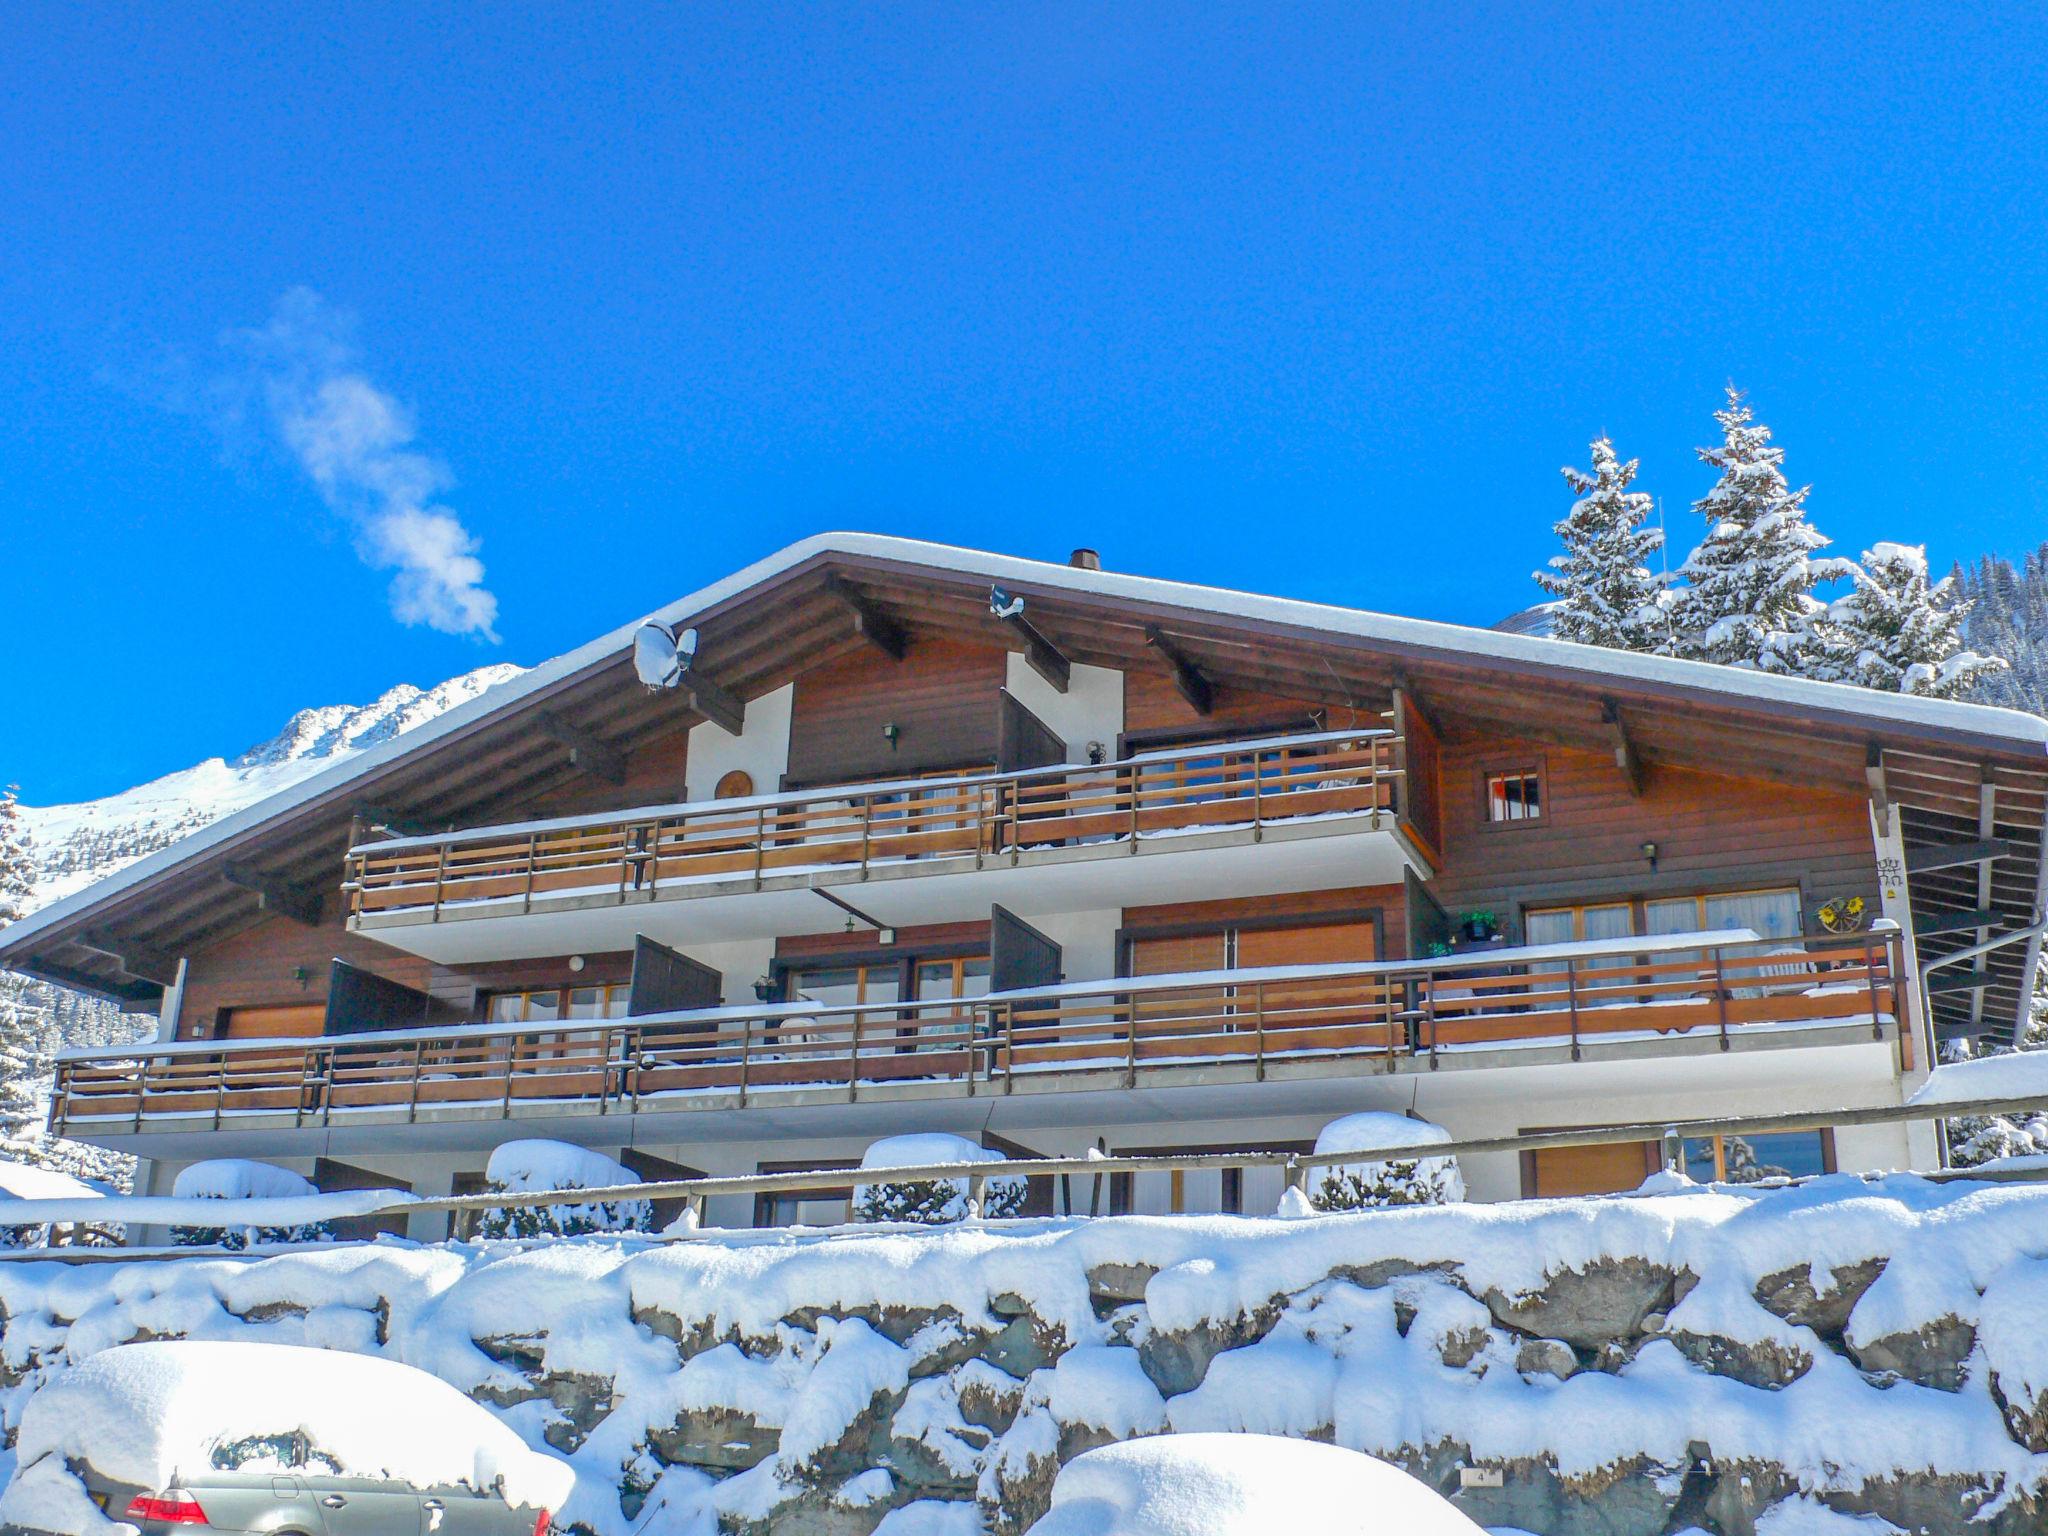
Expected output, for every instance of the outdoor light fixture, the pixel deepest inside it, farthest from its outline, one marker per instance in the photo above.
(890, 732)
(764, 990)
(1650, 853)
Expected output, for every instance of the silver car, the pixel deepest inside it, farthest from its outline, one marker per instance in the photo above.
(311, 1504)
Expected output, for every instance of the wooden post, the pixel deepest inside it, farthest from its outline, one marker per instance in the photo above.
(1721, 992)
(1259, 1003)
(1571, 985)
(1009, 1045)
(412, 1108)
(853, 1061)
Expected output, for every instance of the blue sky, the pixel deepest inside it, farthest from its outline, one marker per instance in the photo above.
(1309, 300)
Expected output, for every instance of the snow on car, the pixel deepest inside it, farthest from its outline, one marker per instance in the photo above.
(1242, 1485)
(143, 1435)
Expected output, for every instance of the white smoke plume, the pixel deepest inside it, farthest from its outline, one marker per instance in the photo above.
(359, 446)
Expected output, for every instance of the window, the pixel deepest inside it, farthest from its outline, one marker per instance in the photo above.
(1751, 1159)
(1774, 914)
(545, 1005)
(842, 986)
(1573, 925)
(1514, 795)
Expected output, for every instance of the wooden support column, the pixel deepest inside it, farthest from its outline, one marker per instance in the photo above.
(869, 622)
(585, 750)
(300, 903)
(1193, 683)
(1046, 659)
(1880, 795)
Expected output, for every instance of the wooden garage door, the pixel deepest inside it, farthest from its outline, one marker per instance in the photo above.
(1603, 1170)
(1188, 952)
(289, 1021)
(1312, 944)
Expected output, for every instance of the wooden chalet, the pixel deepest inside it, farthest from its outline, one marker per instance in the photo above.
(914, 837)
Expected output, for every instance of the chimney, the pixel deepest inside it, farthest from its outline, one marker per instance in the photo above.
(1085, 560)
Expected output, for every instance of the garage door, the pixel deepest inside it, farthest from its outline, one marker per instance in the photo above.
(290, 1021)
(1603, 1170)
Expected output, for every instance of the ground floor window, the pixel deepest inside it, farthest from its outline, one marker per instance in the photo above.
(804, 1207)
(1750, 1159)
(547, 1005)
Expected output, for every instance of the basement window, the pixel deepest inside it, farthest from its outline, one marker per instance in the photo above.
(1514, 795)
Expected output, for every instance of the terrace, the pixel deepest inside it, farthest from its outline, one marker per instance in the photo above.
(1611, 999)
(1227, 818)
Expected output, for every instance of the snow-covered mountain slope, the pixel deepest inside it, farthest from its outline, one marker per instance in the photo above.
(74, 845)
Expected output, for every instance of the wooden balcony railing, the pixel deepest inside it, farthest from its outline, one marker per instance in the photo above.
(637, 855)
(1719, 985)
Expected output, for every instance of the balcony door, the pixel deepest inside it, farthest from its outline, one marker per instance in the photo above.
(1286, 1003)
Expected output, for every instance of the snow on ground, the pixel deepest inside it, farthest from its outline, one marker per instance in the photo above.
(1241, 1485)
(141, 1413)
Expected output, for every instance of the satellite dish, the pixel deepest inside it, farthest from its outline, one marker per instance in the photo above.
(657, 658)
(1003, 604)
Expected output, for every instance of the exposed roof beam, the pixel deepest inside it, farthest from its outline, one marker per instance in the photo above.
(1193, 683)
(123, 992)
(1880, 793)
(130, 958)
(382, 818)
(585, 750)
(1625, 755)
(1046, 659)
(869, 622)
(300, 903)
(1948, 855)
(725, 710)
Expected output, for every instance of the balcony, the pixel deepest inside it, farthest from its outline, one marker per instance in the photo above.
(1239, 818)
(1614, 1000)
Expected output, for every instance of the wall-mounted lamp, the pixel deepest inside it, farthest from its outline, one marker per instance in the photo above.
(575, 962)
(890, 732)
(764, 990)
(301, 975)
(1650, 853)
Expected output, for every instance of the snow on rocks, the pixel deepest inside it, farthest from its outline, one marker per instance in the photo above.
(140, 1413)
(1242, 1485)
(1405, 1181)
(1618, 1361)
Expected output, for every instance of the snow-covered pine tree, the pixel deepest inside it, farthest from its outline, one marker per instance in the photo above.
(1897, 632)
(1749, 597)
(1605, 591)
(2008, 616)
(24, 1055)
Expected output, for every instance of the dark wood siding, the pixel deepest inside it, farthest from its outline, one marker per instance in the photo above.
(941, 698)
(1153, 706)
(1712, 833)
(254, 968)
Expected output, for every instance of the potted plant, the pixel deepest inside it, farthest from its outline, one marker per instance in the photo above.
(1479, 927)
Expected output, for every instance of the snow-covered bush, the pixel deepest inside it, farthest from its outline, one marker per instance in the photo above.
(235, 1178)
(525, 1167)
(1399, 1181)
(931, 1201)
(1241, 1485)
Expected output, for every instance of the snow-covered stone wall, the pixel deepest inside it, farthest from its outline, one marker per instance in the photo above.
(1629, 1366)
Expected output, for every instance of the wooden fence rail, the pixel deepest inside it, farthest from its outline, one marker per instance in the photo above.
(635, 855)
(1716, 985)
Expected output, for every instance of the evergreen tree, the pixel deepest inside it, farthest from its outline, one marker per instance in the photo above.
(1749, 600)
(1606, 594)
(2008, 616)
(1896, 632)
(1975, 1139)
(24, 1054)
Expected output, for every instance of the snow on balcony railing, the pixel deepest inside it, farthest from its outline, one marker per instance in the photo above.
(638, 854)
(1717, 984)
